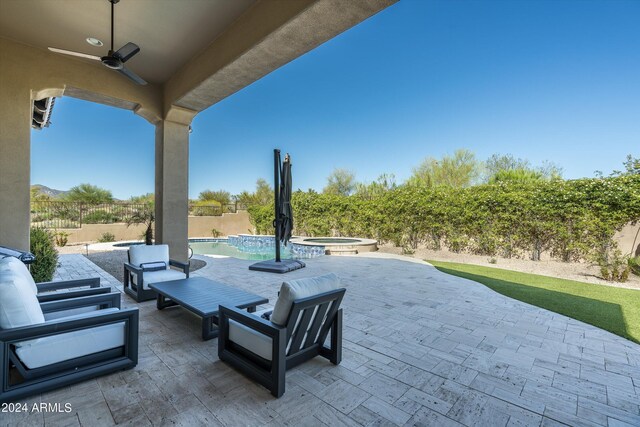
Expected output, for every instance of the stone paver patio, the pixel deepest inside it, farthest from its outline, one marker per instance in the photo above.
(420, 348)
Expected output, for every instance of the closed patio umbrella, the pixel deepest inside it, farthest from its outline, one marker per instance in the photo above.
(285, 209)
(283, 222)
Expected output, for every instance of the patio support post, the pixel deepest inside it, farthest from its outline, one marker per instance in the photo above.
(172, 181)
(15, 165)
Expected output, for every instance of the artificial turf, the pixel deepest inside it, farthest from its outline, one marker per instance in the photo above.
(614, 309)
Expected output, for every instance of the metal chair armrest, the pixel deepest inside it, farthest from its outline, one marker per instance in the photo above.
(93, 282)
(55, 296)
(103, 300)
(247, 319)
(184, 266)
(133, 269)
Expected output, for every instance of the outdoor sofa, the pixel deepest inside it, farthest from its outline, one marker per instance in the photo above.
(305, 312)
(49, 344)
(150, 264)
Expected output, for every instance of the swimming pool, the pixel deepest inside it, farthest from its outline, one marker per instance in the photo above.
(253, 247)
(223, 248)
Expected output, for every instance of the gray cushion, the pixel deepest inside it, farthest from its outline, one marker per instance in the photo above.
(159, 276)
(19, 305)
(250, 339)
(45, 351)
(301, 288)
(17, 266)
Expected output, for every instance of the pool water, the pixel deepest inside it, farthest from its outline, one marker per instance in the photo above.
(251, 253)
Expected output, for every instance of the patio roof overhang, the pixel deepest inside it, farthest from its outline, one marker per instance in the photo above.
(193, 54)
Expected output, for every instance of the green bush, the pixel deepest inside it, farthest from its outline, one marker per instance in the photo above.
(99, 217)
(570, 220)
(634, 265)
(107, 237)
(42, 246)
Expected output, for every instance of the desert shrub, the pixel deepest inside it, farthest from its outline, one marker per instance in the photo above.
(215, 232)
(62, 238)
(614, 266)
(99, 217)
(107, 237)
(42, 246)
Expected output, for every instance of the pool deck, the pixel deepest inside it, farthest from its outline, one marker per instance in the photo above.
(420, 348)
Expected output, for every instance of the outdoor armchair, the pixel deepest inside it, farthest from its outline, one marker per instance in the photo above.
(42, 347)
(150, 264)
(304, 314)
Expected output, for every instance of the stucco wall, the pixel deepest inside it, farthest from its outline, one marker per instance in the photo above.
(626, 237)
(199, 226)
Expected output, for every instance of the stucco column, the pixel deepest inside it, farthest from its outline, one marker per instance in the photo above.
(15, 164)
(172, 181)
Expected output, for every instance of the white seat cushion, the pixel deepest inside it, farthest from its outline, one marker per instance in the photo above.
(19, 305)
(71, 312)
(159, 276)
(57, 348)
(301, 288)
(253, 341)
(139, 254)
(14, 264)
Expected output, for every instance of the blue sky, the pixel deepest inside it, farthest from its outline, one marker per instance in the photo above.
(543, 80)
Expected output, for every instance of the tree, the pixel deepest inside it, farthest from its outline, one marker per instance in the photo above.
(262, 196)
(87, 193)
(457, 171)
(148, 198)
(631, 166)
(505, 167)
(516, 175)
(146, 216)
(340, 182)
(377, 188)
(220, 196)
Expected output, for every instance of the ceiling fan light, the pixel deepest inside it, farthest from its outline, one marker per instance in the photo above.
(94, 41)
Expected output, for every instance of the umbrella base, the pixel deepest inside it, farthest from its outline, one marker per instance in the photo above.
(271, 266)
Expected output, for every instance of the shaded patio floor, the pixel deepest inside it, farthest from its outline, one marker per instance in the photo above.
(420, 348)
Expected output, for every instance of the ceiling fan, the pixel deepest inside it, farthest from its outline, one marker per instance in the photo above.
(114, 59)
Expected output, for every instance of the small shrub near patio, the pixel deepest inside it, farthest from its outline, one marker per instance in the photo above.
(634, 265)
(62, 238)
(614, 267)
(42, 246)
(107, 237)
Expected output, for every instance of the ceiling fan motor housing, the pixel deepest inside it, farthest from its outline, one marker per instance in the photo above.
(112, 62)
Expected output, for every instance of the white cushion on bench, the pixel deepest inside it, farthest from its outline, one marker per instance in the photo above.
(301, 288)
(250, 339)
(19, 305)
(159, 276)
(45, 351)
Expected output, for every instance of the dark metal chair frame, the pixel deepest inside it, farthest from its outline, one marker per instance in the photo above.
(39, 380)
(311, 317)
(137, 291)
(46, 290)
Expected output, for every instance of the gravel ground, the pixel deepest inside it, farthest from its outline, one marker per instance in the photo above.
(581, 272)
(112, 262)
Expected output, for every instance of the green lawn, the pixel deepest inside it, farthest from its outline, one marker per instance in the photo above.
(614, 309)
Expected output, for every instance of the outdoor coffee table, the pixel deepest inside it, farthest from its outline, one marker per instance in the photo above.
(203, 297)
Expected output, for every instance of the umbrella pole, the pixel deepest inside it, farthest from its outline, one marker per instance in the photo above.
(276, 192)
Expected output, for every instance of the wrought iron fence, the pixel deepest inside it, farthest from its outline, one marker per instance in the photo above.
(50, 214)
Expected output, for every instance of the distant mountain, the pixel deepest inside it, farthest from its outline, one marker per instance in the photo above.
(51, 192)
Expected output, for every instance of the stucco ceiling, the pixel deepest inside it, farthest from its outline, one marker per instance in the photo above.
(169, 32)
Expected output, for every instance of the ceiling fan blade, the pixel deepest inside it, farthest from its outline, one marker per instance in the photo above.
(72, 53)
(127, 51)
(131, 75)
